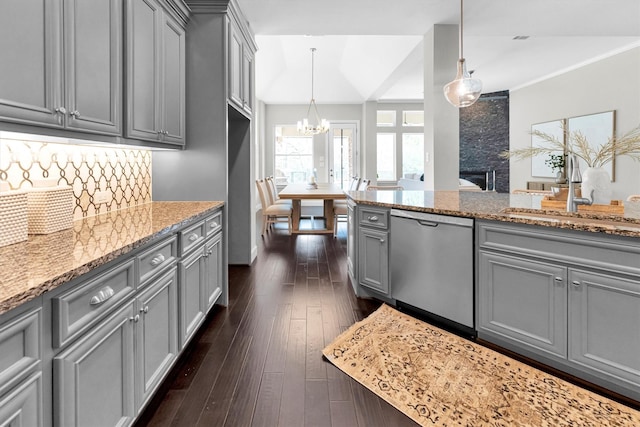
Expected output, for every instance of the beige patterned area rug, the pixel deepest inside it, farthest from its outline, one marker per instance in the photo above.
(438, 378)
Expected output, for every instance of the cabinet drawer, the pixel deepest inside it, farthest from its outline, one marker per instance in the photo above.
(19, 348)
(192, 237)
(213, 224)
(77, 309)
(155, 259)
(371, 217)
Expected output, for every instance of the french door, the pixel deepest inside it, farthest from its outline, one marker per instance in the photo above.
(343, 152)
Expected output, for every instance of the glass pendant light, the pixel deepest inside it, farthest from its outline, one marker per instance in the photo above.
(464, 90)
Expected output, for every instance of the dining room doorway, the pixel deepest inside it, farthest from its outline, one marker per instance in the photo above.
(343, 152)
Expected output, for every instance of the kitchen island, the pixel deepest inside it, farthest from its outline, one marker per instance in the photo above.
(93, 318)
(560, 288)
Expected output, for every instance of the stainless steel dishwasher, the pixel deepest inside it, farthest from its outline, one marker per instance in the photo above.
(432, 264)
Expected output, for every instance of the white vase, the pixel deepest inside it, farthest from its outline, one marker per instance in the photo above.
(598, 181)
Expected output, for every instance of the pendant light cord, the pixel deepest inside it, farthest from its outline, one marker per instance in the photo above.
(460, 28)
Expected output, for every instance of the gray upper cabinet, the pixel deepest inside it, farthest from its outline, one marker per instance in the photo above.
(65, 67)
(240, 70)
(155, 74)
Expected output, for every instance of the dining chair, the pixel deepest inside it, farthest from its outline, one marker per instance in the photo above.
(364, 184)
(355, 182)
(340, 211)
(272, 192)
(272, 213)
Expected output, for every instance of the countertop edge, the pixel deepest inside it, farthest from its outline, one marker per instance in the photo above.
(567, 224)
(52, 283)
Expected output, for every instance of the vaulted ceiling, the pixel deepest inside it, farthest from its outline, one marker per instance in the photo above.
(372, 49)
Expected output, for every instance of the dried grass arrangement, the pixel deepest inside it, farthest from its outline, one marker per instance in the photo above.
(626, 145)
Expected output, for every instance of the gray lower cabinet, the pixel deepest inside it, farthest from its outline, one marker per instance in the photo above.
(201, 273)
(192, 294)
(156, 334)
(22, 406)
(214, 269)
(94, 377)
(604, 320)
(373, 249)
(565, 298)
(21, 389)
(373, 255)
(524, 301)
(351, 242)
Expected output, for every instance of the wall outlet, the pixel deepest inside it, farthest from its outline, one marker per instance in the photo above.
(102, 197)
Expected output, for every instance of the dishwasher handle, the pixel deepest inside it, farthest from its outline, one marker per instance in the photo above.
(427, 223)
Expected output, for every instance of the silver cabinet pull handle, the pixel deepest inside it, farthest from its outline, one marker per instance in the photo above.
(145, 309)
(61, 110)
(135, 319)
(213, 224)
(103, 295)
(75, 114)
(157, 260)
(558, 279)
(381, 240)
(576, 283)
(193, 237)
(373, 218)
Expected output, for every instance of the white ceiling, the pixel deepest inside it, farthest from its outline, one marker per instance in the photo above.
(372, 49)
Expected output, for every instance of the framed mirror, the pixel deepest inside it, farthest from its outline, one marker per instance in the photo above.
(598, 129)
(554, 128)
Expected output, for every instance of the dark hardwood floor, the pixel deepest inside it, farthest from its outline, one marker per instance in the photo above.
(258, 362)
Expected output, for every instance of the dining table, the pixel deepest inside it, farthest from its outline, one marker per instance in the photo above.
(297, 192)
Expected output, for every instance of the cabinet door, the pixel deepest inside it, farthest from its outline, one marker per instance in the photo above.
(373, 256)
(173, 78)
(144, 20)
(523, 301)
(247, 80)
(93, 65)
(603, 325)
(213, 285)
(191, 294)
(93, 379)
(22, 406)
(235, 66)
(31, 66)
(156, 334)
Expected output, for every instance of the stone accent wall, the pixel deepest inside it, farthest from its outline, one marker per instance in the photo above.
(484, 133)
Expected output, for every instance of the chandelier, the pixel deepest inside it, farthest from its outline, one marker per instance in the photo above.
(464, 90)
(321, 126)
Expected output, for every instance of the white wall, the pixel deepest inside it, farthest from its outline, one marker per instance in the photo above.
(612, 83)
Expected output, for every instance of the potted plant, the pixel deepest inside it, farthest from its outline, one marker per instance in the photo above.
(556, 163)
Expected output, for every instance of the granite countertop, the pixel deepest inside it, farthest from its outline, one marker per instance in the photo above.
(520, 208)
(44, 262)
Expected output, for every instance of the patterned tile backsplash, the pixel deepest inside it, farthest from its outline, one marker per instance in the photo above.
(103, 179)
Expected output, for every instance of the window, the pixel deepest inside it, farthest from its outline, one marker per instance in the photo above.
(386, 118)
(413, 118)
(293, 155)
(386, 148)
(412, 153)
